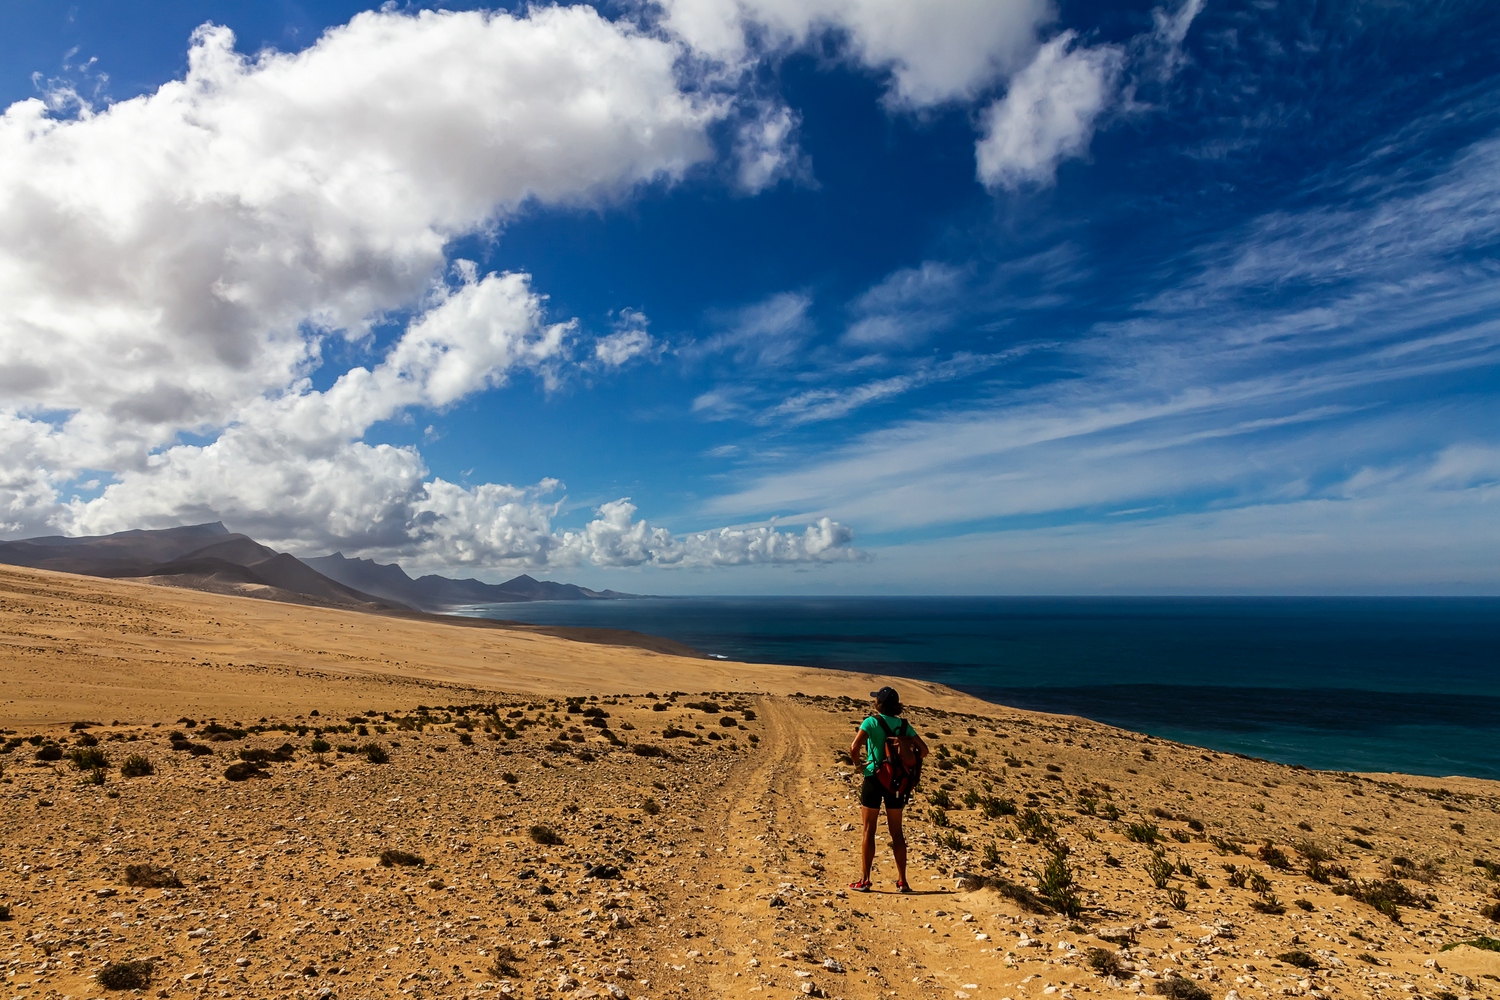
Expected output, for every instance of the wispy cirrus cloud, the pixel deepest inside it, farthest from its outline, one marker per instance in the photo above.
(1285, 369)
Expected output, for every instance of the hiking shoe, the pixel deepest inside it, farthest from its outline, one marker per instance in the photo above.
(861, 886)
(902, 885)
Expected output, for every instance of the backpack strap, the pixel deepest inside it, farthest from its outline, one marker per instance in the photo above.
(881, 723)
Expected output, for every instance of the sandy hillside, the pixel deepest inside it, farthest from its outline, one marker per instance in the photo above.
(502, 813)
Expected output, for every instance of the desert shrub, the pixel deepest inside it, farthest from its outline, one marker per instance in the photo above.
(1178, 988)
(1304, 905)
(938, 816)
(994, 808)
(1275, 857)
(1018, 894)
(1385, 895)
(1055, 884)
(1034, 825)
(1196, 825)
(136, 766)
(1201, 882)
(1177, 898)
(728, 722)
(1490, 911)
(1104, 962)
(710, 707)
(544, 835)
(1482, 943)
(1184, 868)
(503, 964)
(952, 841)
(1142, 833)
(940, 798)
(375, 753)
(1088, 804)
(244, 770)
(1490, 868)
(1237, 876)
(991, 854)
(1367, 958)
(125, 975)
(1311, 851)
(1158, 869)
(94, 777)
(970, 799)
(651, 807)
(1270, 904)
(320, 745)
(390, 858)
(647, 750)
(1299, 959)
(151, 877)
(1110, 812)
(50, 751)
(1224, 846)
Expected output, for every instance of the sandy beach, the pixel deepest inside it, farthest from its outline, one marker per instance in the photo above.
(505, 813)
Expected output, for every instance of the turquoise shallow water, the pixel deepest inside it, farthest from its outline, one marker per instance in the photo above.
(1370, 684)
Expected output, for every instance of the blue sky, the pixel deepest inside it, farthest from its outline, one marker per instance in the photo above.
(1071, 298)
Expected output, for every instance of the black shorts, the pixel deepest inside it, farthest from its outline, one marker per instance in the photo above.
(872, 794)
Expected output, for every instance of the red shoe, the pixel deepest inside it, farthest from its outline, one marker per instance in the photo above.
(902, 885)
(861, 886)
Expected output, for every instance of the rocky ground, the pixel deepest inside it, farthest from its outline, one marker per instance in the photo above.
(664, 844)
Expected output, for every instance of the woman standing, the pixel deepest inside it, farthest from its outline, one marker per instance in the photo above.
(884, 723)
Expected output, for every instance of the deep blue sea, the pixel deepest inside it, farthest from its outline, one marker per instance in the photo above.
(1363, 684)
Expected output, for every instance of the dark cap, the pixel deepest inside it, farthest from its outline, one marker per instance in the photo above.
(886, 696)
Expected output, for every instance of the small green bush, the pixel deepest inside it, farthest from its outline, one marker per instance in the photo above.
(1142, 833)
(1178, 988)
(952, 841)
(320, 745)
(1104, 962)
(50, 751)
(392, 858)
(544, 835)
(1055, 884)
(1275, 857)
(938, 816)
(1159, 870)
(136, 766)
(375, 753)
(651, 807)
(1299, 959)
(940, 798)
(151, 877)
(125, 975)
(244, 770)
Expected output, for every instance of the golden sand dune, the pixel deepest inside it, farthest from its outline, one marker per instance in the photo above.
(541, 818)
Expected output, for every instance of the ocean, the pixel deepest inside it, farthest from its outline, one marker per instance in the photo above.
(1356, 684)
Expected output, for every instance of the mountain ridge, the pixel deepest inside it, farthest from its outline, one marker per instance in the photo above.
(211, 557)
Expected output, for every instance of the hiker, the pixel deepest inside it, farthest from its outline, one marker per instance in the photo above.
(891, 773)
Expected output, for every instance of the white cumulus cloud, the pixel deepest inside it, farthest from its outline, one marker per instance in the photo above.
(1048, 113)
(171, 265)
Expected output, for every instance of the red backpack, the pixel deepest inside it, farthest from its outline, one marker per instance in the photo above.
(900, 766)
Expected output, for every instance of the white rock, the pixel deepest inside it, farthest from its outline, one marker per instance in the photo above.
(809, 988)
(833, 965)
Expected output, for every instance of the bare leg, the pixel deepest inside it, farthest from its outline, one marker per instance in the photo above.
(898, 841)
(871, 818)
